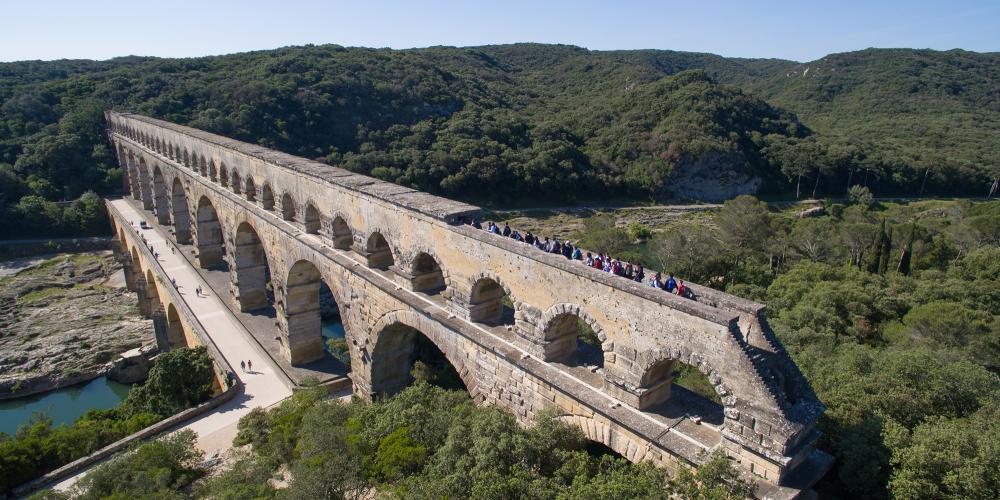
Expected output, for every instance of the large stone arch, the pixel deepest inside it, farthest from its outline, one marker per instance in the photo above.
(176, 336)
(152, 298)
(299, 313)
(181, 212)
(602, 431)
(132, 171)
(250, 270)
(386, 349)
(160, 207)
(145, 184)
(208, 234)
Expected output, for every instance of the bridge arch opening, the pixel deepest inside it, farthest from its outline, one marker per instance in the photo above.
(133, 177)
(302, 318)
(179, 210)
(490, 303)
(133, 271)
(187, 160)
(235, 182)
(267, 197)
(160, 197)
(403, 355)
(343, 238)
(427, 276)
(570, 339)
(175, 330)
(251, 274)
(311, 220)
(223, 176)
(673, 388)
(378, 252)
(145, 185)
(208, 232)
(213, 174)
(152, 295)
(287, 207)
(250, 190)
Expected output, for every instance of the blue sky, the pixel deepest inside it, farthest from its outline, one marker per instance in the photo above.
(799, 30)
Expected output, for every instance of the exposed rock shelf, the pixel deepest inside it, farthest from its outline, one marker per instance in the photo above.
(65, 321)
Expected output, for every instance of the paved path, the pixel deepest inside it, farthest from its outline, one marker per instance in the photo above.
(261, 388)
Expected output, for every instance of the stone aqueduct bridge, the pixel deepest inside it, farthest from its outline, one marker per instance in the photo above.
(399, 262)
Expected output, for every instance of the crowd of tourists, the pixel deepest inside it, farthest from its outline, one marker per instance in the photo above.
(624, 268)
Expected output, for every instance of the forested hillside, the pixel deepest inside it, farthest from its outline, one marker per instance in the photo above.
(525, 123)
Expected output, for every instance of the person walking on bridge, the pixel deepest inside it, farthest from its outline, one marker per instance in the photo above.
(243, 366)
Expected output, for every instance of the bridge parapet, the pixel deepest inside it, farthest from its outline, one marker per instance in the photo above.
(304, 211)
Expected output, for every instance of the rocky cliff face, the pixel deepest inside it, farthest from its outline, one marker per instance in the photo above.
(714, 177)
(64, 321)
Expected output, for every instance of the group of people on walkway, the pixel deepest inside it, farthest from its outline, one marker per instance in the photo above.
(624, 268)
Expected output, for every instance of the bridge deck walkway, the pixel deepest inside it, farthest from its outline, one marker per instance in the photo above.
(262, 326)
(263, 387)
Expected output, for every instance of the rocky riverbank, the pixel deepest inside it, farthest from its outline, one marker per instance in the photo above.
(66, 320)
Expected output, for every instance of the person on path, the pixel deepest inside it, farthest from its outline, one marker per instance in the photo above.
(506, 229)
(671, 284)
(681, 289)
(250, 365)
(243, 366)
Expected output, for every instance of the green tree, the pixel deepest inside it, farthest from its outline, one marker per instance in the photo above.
(180, 379)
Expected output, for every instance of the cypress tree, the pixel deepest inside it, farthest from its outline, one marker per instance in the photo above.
(886, 253)
(874, 256)
(907, 255)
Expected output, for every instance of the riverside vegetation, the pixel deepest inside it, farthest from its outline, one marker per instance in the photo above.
(502, 124)
(180, 379)
(425, 442)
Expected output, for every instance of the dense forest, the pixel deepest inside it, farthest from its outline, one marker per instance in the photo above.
(524, 123)
(426, 442)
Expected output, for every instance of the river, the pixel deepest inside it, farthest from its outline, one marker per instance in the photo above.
(64, 405)
(332, 329)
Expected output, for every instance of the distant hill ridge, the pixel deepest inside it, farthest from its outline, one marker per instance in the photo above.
(496, 124)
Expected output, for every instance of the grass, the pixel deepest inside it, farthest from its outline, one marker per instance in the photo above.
(42, 293)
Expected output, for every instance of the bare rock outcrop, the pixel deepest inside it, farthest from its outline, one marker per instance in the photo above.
(64, 321)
